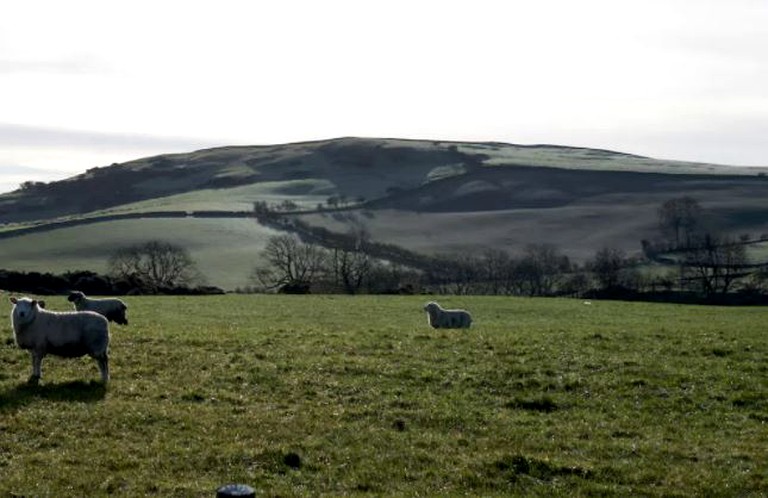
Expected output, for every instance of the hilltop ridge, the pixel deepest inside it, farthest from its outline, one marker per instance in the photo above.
(353, 167)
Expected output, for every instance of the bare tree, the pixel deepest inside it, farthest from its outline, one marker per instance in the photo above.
(466, 272)
(388, 278)
(540, 270)
(716, 262)
(155, 263)
(607, 265)
(498, 269)
(351, 264)
(678, 219)
(291, 262)
(454, 273)
(758, 281)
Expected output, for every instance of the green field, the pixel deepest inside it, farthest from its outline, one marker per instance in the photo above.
(333, 395)
(305, 193)
(225, 250)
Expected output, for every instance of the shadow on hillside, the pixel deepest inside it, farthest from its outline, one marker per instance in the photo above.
(77, 391)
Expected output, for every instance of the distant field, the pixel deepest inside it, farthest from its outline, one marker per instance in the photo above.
(331, 395)
(758, 252)
(596, 159)
(226, 250)
(509, 230)
(305, 193)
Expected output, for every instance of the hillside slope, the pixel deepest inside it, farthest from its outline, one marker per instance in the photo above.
(428, 196)
(352, 167)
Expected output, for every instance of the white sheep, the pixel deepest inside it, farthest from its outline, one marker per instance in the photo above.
(112, 308)
(440, 318)
(68, 334)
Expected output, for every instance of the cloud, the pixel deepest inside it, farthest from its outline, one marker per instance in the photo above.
(12, 175)
(7, 186)
(72, 66)
(15, 169)
(34, 153)
(22, 136)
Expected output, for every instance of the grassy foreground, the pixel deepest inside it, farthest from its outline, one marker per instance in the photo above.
(332, 395)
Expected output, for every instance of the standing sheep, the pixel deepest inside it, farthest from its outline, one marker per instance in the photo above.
(112, 308)
(69, 334)
(440, 318)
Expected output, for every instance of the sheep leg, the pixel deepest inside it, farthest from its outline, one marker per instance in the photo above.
(103, 362)
(37, 366)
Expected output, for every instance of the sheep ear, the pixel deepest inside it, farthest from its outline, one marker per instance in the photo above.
(13, 300)
(41, 304)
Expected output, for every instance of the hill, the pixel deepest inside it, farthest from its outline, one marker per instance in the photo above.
(429, 196)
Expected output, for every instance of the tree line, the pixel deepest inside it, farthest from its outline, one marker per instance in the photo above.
(705, 260)
(688, 257)
(152, 267)
(293, 265)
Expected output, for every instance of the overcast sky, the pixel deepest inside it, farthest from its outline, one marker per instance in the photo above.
(90, 83)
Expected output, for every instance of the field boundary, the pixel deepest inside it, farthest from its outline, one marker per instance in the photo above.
(55, 225)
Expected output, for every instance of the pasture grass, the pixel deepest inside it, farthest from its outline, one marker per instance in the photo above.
(336, 395)
(306, 193)
(224, 250)
(595, 159)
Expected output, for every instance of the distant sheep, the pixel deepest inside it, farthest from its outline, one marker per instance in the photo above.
(68, 334)
(112, 308)
(440, 318)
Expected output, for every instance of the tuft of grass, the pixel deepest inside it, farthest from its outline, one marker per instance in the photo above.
(540, 404)
(338, 395)
(520, 465)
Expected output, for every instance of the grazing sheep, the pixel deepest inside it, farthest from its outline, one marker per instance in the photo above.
(112, 308)
(69, 334)
(440, 318)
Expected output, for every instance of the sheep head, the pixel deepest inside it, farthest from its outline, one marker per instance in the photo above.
(431, 307)
(25, 310)
(75, 297)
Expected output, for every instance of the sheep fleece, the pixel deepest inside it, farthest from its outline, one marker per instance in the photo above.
(67, 334)
(441, 318)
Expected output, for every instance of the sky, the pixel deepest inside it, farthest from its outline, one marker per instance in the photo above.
(91, 83)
